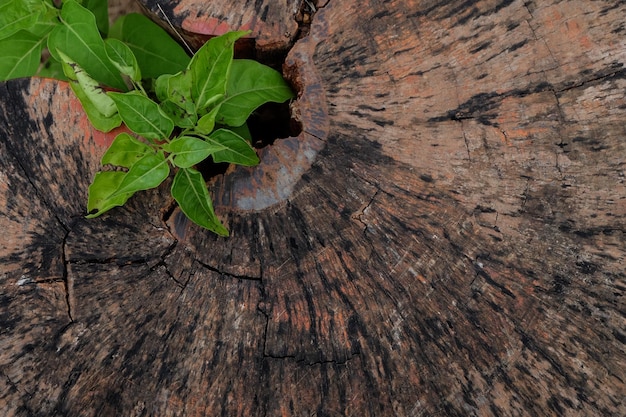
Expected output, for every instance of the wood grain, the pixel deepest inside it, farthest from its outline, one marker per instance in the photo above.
(273, 23)
(446, 237)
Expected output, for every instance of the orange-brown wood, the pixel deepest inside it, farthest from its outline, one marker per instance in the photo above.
(273, 25)
(446, 237)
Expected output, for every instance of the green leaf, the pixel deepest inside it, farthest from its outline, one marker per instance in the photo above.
(177, 89)
(98, 120)
(79, 39)
(90, 87)
(180, 116)
(209, 68)
(67, 69)
(160, 86)
(190, 192)
(46, 22)
(16, 15)
(242, 131)
(123, 58)
(250, 85)
(148, 172)
(142, 115)
(51, 69)
(101, 192)
(189, 151)
(100, 10)
(236, 150)
(157, 53)
(206, 124)
(20, 55)
(42, 29)
(125, 151)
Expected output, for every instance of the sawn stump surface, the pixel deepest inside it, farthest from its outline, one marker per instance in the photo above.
(446, 237)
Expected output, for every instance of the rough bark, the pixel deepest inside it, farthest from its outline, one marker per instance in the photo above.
(445, 238)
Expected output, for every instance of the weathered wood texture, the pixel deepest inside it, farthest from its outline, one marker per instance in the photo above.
(445, 238)
(273, 23)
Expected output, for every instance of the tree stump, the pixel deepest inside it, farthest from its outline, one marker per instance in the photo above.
(446, 237)
(273, 24)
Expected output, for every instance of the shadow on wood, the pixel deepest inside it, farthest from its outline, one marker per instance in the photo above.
(447, 238)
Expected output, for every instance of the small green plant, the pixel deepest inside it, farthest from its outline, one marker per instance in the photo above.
(181, 110)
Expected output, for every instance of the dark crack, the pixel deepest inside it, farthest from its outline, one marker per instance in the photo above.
(228, 274)
(303, 361)
(109, 261)
(314, 135)
(17, 389)
(163, 263)
(525, 194)
(169, 273)
(67, 282)
(361, 213)
(614, 74)
(67, 229)
(467, 148)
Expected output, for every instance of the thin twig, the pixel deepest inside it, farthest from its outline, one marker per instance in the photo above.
(311, 6)
(174, 29)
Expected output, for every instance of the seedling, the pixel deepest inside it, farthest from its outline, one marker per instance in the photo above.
(181, 110)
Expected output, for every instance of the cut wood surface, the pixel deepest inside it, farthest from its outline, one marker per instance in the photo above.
(446, 237)
(273, 23)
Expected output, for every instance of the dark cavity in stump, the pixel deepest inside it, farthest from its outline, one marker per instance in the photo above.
(269, 122)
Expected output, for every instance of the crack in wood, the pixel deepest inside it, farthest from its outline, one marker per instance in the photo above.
(304, 361)
(68, 283)
(165, 264)
(112, 260)
(361, 213)
(264, 308)
(467, 147)
(313, 135)
(473, 350)
(616, 74)
(228, 274)
(9, 381)
(525, 193)
(16, 387)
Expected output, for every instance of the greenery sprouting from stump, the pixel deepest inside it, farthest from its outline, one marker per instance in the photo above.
(180, 109)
